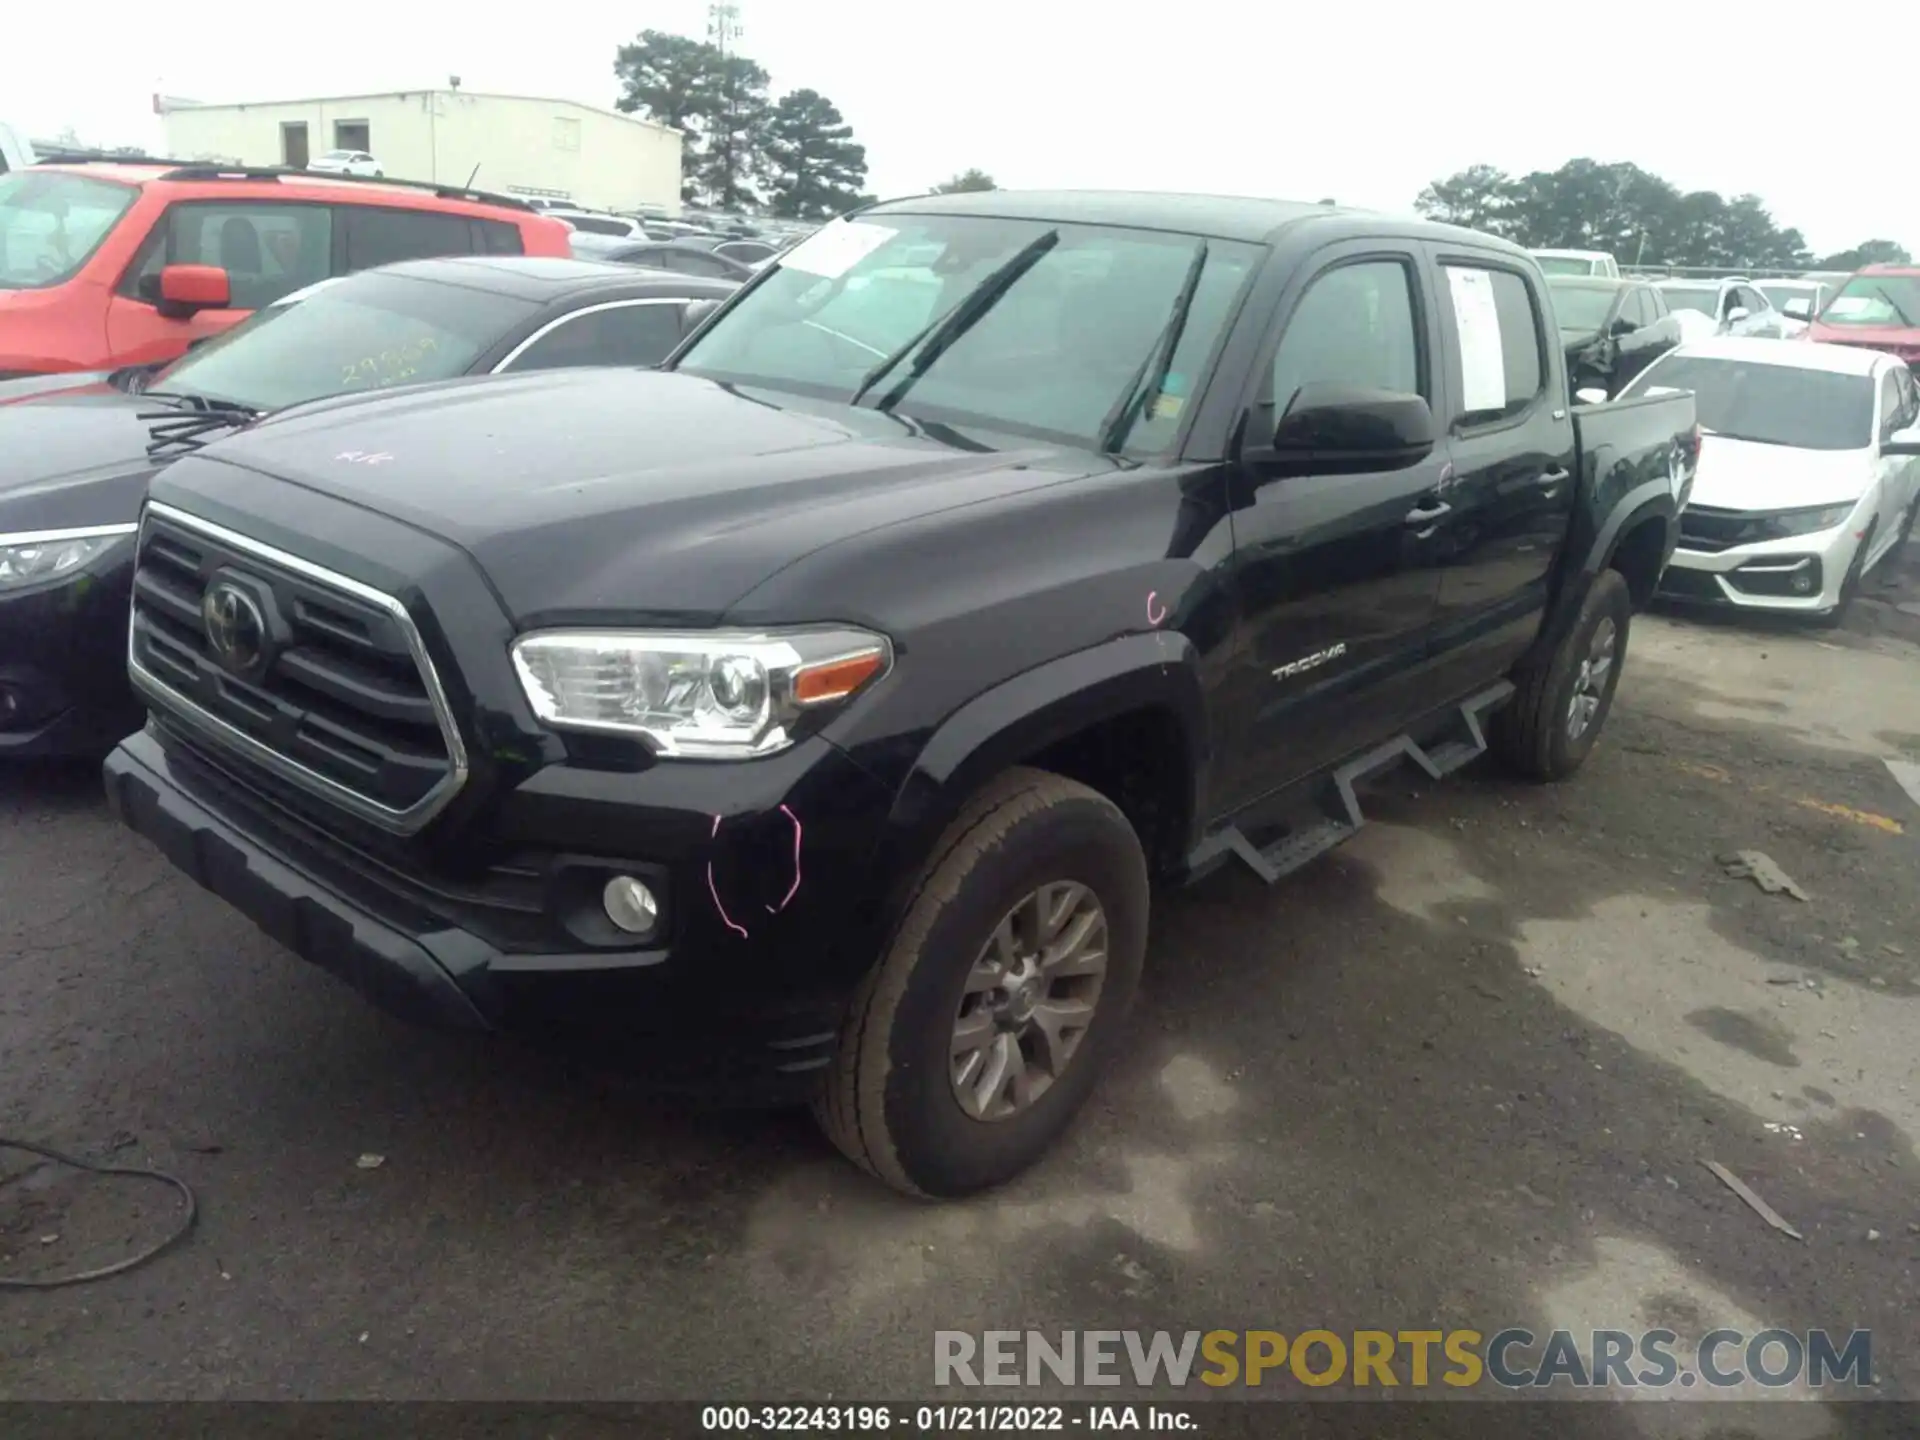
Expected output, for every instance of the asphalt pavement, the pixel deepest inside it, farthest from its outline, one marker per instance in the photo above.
(1463, 1072)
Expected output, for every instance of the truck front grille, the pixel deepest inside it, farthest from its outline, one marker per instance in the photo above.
(309, 674)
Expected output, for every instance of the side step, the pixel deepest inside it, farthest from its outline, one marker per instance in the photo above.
(1339, 807)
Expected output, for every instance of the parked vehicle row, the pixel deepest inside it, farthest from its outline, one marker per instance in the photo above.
(77, 451)
(130, 263)
(806, 718)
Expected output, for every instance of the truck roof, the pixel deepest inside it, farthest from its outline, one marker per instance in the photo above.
(1227, 217)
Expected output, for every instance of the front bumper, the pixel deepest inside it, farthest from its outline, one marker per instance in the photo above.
(1801, 574)
(63, 668)
(701, 1008)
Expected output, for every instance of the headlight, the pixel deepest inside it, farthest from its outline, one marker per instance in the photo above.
(713, 695)
(1783, 523)
(48, 554)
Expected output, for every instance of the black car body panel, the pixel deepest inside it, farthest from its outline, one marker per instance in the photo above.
(74, 453)
(1226, 619)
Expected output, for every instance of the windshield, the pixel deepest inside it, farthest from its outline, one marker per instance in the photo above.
(51, 222)
(1779, 294)
(1771, 404)
(1876, 300)
(1703, 298)
(1055, 355)
(1581, 308)
(364, 332)
(1564, 265)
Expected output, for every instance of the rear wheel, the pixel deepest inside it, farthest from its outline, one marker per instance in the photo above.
(1548, 729)
(973, 1042)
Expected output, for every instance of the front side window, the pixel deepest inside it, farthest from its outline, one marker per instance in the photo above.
(363, 332)
(1769, 404)
(1876, 300)
(51, 223)
(268, 249)
(1890, 405)
(631, 334)
(1068, 348)
(1353, 326)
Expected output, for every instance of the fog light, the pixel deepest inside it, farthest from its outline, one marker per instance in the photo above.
(630, 905)
(1803, 583)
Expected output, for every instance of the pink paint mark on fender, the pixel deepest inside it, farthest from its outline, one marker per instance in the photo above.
(714, 890)
(794, 889)
(1152, 605)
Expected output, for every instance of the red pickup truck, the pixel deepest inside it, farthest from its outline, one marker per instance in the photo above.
(130, 262)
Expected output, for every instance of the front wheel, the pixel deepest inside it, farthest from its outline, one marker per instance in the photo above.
(1835, 617)
(973, 1042)
(1549, 728)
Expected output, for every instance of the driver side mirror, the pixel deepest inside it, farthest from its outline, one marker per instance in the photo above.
(1902, 442)
(1798, 308)
(1737, 314)
(1342, 429)
(1624, 325)
(186, 290)
(1589, 395)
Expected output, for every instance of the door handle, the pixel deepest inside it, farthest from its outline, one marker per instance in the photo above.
(1553, 479)
(1427, 514)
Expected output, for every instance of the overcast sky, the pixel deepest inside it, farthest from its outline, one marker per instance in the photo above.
(1361, 104)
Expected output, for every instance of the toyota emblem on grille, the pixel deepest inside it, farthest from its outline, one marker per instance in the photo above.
(236, 630)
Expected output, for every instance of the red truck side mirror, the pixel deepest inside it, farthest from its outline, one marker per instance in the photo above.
(185, 290)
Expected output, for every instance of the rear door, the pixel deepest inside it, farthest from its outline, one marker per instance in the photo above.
(1512, 448)
(1333, 577)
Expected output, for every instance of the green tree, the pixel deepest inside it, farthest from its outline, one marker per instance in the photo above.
(732, 151)
(964, 182)
(1872, 252)
(813, 167)
(1479, 197)
(717, 102)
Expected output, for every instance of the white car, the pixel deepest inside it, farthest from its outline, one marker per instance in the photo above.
(346, 162)
(1734, 306)
(1798, 301)
(1577, 262)
(599, 222)
(1807, 478)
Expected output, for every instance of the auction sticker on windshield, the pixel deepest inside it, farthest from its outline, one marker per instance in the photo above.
(836, 248)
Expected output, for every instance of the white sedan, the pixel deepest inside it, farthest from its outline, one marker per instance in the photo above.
(346, 162)
(1808, 476)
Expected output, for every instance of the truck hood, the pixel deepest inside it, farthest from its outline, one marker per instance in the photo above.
(633, 494)
(1743, 475)
(74, 456)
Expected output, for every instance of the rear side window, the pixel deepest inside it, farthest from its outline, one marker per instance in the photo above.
(380, 237)
(268, 248)
(1353, 326)
(496, 237)
(622, 335)
(1499, 348)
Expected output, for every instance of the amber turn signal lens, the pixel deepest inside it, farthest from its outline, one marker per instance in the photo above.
(836, 679)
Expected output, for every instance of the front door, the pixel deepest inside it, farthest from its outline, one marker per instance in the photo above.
(1335, 590)
(1513, 452)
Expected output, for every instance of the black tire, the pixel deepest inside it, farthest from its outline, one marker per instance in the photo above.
(1834, 618)
(889, 1101)
(1531, 733)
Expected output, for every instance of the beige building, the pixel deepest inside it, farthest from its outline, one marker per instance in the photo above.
(512, 143)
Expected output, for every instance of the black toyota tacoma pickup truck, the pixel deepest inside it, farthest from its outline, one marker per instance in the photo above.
(806, 720)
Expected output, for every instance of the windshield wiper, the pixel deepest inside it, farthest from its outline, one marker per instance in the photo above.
(1893, 305)
(937, 338)
(187, 427)
(1118, 422)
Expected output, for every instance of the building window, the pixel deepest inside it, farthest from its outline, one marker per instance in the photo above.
(352, 135)
(566, 133)
(293, 144)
